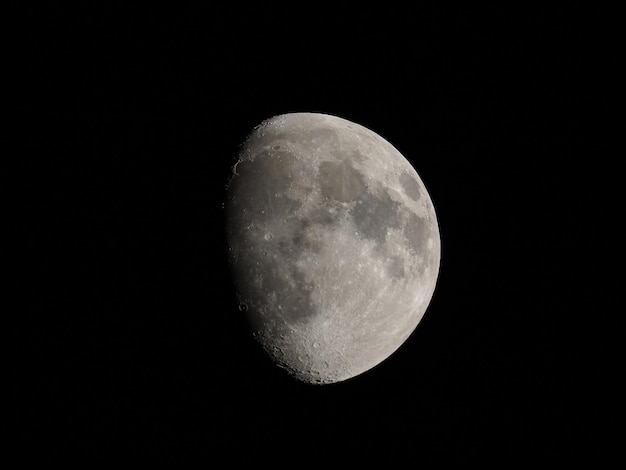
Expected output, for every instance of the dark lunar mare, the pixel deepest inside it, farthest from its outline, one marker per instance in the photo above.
(374, 215)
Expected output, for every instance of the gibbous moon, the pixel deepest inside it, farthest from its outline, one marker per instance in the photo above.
(333, 243)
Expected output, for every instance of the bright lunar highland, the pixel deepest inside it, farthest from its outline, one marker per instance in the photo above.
(333, 242)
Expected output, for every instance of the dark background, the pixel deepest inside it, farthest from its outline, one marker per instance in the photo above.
(130, 344)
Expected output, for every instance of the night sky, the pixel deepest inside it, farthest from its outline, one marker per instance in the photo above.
(130, 343)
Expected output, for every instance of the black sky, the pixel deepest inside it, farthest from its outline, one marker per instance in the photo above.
(130, 340)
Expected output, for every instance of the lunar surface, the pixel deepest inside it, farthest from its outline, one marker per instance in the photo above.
(333, 243)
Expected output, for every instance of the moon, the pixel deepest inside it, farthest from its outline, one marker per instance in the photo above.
(333, 244)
